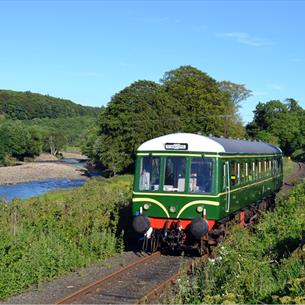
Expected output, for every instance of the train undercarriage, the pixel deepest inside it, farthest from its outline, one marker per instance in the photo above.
(200, 236)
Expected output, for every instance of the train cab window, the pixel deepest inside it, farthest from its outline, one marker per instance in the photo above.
(224, 182)
(174, 180)
(201, 175)
(150, 174)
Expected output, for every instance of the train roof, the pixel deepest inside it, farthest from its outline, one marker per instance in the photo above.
(198, 143)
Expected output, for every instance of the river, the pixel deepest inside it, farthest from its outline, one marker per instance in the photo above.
(26, 190)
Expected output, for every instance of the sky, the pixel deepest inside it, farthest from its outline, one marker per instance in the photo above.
(87, 51)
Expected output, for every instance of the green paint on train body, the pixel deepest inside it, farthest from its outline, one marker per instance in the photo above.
(234, 185)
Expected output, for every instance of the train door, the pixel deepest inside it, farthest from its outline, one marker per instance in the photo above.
(227, 185)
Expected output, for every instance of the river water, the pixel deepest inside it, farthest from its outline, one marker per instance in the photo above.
(34, 188)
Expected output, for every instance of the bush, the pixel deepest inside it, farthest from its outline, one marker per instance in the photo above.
(60, 231)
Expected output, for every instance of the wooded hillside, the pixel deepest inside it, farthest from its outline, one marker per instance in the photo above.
(28, 105)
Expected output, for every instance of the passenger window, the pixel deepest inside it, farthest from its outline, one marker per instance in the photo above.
(238, 173)
(150, 174)
(275, 167)
(252, 171)
(233, 170)
(243, 172)
(174, 180)
(201, 175)
(264, 168)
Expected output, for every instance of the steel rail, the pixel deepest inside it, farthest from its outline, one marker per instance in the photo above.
(156, 291)
(79, 293)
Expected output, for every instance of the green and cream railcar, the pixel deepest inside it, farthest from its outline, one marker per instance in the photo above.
(190, 182)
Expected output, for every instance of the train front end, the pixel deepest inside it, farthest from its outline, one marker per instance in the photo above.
(175, 202)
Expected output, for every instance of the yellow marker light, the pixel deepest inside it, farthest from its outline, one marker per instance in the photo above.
(146, 206)
(172, 209)
(200, 209)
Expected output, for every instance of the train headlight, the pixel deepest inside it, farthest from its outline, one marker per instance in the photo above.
(146, 206)
(172, 209)
(200, 209)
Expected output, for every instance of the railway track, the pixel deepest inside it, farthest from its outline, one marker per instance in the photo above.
(138, 282)
(144, 280)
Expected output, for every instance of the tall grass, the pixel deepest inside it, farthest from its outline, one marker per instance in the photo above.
(60, 231)
(255, 265)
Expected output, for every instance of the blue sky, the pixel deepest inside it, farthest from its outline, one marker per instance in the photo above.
(87, 51)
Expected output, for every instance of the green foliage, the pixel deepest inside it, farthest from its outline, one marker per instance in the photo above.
(17, 140)
(237, 92)
(139, 112)
(27, 106)
(279, 123)
(187, 100)
(258, 265)
(60, 231)
(73, 129)
(288, 167)
(21, 139)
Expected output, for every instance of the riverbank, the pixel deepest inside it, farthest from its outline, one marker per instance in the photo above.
(39, 171)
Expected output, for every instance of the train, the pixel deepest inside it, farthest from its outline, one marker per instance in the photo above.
(187, 187)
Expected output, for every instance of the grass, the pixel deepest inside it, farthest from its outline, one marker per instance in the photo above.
(255, 265)
(46, 236)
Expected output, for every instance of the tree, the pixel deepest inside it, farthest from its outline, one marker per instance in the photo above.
(201, 104)
(279, 123)
(237, 92)
(139, 112)
(54, 141)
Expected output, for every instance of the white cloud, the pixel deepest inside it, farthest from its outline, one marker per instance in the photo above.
(245, 38)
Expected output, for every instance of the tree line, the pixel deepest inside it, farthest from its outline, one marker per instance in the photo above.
(186, 100)
(26, 139)
(279, 123)
(28, 106)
